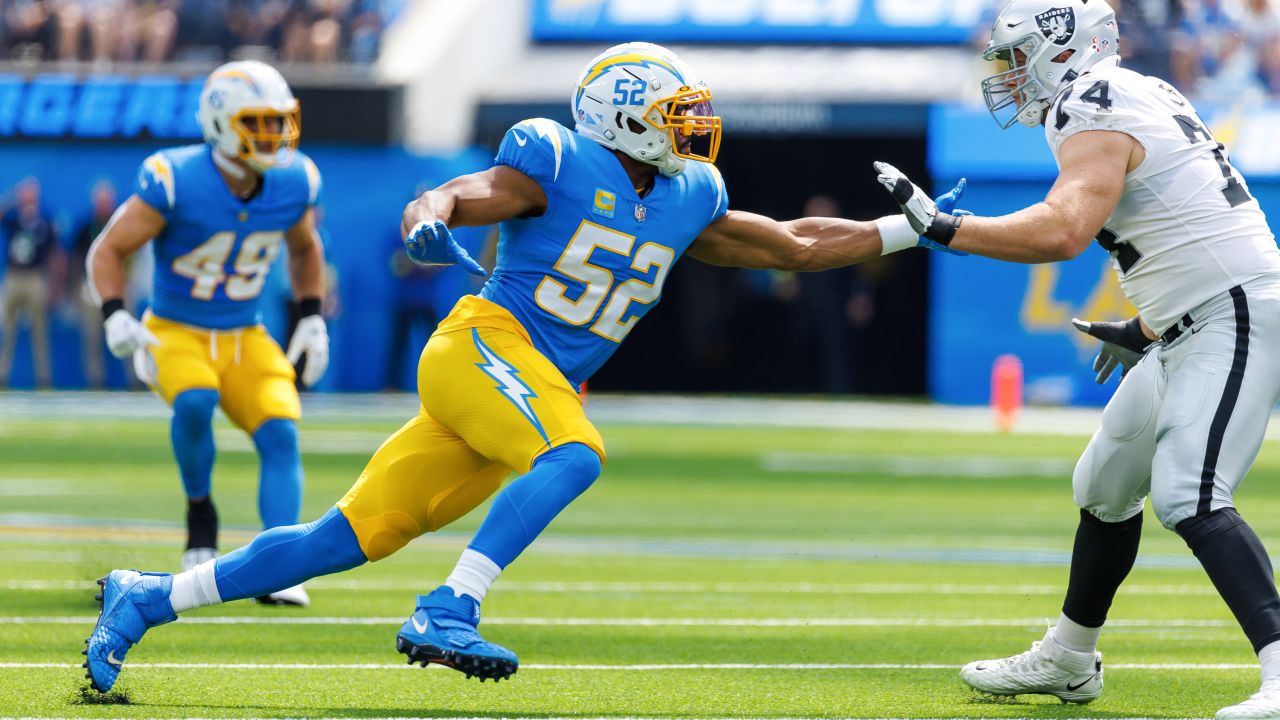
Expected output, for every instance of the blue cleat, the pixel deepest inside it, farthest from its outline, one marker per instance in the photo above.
(132, 602)
(443, 630)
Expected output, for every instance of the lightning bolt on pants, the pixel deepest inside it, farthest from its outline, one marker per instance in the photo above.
(492, 405)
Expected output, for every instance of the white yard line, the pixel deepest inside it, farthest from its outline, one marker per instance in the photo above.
(660, 587)
(645, 622)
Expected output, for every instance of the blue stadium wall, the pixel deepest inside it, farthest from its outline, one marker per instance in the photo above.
(980, 309)
(364, 191)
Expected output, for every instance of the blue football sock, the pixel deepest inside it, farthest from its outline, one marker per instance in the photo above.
(525, 507)
(282, 557)
(280, 478)
(191, 432)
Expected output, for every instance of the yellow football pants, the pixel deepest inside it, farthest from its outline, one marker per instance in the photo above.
(491, 404)
(254, 380)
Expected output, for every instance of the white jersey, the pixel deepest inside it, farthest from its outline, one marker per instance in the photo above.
(1186, 228)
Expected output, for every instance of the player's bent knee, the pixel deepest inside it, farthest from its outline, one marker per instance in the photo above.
(580, 466)
(1094, 487)
(277, 435)
(1172, 511)
(193, 409)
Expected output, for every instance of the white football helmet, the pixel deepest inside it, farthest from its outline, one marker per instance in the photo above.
(1040, 45)
(247, 111)
(643, 100)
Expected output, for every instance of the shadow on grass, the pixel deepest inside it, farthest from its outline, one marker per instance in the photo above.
(1043, 707)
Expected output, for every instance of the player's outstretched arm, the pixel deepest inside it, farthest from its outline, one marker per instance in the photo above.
(306, 273)
(743, 239)
(133, 224)
(1090, 183)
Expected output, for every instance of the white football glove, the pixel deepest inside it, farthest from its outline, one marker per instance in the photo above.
(311, 339)
(126, 335)
(922, 212)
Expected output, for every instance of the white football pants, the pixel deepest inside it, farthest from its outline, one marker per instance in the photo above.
(1187, 421)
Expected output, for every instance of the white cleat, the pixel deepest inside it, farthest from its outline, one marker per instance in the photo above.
(1263, 705)
(295, 596)
(1046, 669)
(197, 556)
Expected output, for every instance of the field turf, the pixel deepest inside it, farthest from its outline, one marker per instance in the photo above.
(713, 572)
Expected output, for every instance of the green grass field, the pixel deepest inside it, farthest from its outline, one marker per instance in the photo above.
(713, 572)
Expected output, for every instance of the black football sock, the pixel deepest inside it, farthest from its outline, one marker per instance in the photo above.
(202, 524)
(1102, 558)
(1240, 569)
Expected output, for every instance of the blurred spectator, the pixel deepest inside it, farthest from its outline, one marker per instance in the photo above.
(30, 244)
(1262, 42)
(102, 201)
(320, 31)
(29, 28)
(830, 311)
(1145, 29)
(1206, 42)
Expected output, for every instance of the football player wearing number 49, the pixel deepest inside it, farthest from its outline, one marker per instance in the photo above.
(218, 213)
(592, 222)
(1140, 172)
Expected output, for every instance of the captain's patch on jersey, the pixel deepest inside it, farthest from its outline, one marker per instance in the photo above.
(604, 204)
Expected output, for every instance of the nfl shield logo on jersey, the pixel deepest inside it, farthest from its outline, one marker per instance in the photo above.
(641, 213)
(1058, 25)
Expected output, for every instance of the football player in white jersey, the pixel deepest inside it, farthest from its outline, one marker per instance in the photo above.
(1140, 172)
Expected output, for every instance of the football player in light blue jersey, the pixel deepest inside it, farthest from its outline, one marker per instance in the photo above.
(218, 213)
(592, 223)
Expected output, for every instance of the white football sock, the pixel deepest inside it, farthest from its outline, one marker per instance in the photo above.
(473, 575)
(1074, 636)
(194, 588)
(1269, 656)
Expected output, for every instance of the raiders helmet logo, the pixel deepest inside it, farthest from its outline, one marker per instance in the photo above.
(1058, 25)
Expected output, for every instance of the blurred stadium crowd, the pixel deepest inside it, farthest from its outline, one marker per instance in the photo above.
(106, 31)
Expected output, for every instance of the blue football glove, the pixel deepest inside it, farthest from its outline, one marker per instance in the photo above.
(947, 203)
(432, 244)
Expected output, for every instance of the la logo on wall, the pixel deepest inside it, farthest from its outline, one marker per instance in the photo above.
(1058, 25)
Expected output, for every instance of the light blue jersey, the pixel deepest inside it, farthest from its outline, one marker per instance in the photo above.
(213, 257)
(579, 276)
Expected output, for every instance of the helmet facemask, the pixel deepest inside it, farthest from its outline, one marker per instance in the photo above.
(1015, 85)
(692, 125)
(268, 137)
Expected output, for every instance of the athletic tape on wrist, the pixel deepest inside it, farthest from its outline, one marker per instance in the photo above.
(895, 234)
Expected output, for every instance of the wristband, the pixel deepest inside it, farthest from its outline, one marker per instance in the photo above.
(943, 228)
(895, 234)
(109, 307)
(308, 306)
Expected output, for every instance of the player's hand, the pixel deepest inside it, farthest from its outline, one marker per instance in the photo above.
(1123, 345)
(922, 213)
(126, 335)
(310, 339)
(431, 243)
(946, 202)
